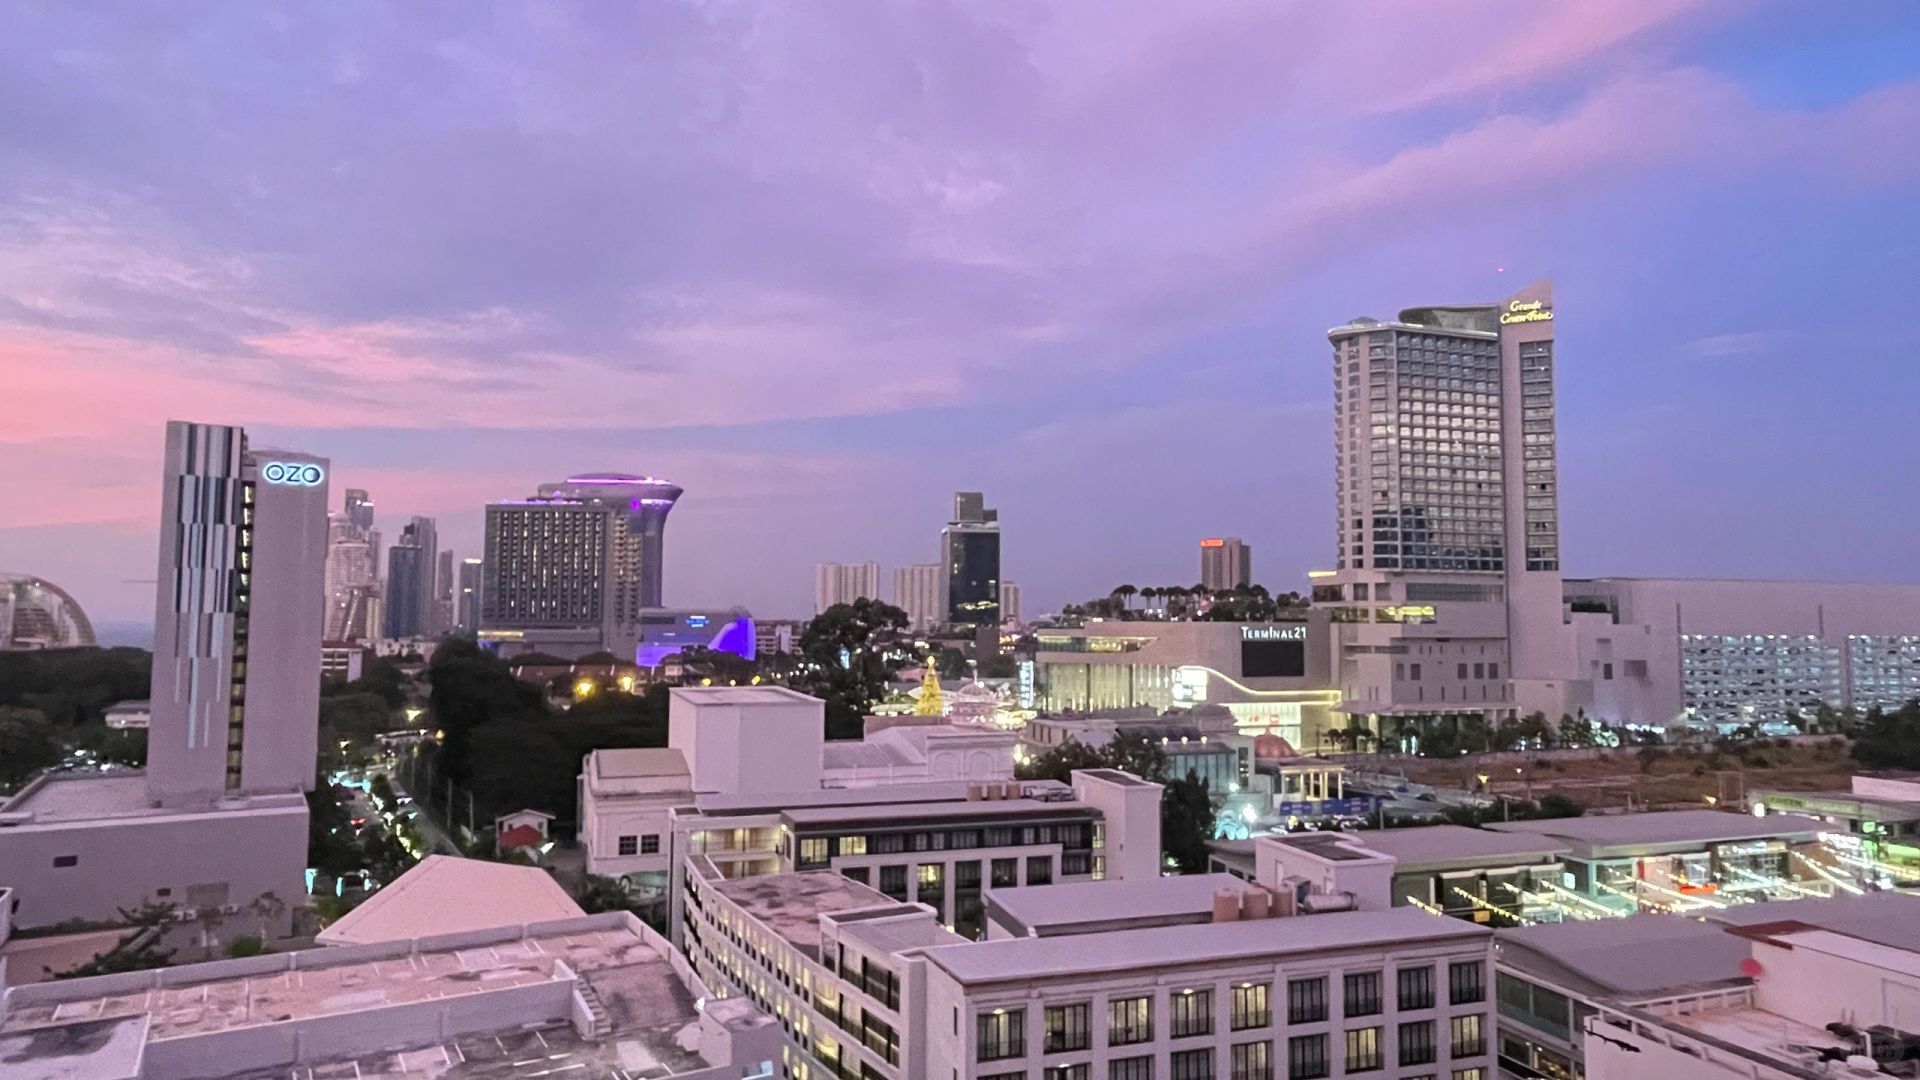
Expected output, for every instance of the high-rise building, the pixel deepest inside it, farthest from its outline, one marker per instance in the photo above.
(1225, 562)
(920, 592)
(467, 615)
(1447, 578)
(572, 569)
(236, 636)
(353, 571)
(444, 587)
(359, 513)
(218, 819)
(970, 562)
(843, 583)
(1009, 601)
(411, 604)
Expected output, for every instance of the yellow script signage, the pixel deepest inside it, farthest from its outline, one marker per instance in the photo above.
(1519, 311)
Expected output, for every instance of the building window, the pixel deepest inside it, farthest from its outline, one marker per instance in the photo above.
(1192, 1013)
(1018, 1074)
(1133, 1068)
(1067, 1072)
(1363, 1049)
(1306, 1057)
(1001, 1034)
(1191, 1064)
(813, 851)
(1416, 988)
(893, 881)
(1251, 1008)
(1306, 1000)
(1469, 1074)
(629, 845)
(1006, 873)
(1416, 1043)
(1069, 1027)
(1129, 1021)
(1466, 983)
(1363, 993)
(1039, 869)
(61, 861)
(853, 845)
(650, 844)
(1468, 1039)
(1252, 1061)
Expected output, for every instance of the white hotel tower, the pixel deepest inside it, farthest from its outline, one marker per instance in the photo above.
(1446, 594)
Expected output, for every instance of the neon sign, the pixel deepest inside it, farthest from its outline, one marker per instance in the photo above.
(293, 473)
(1273, 633)
(1527, 311)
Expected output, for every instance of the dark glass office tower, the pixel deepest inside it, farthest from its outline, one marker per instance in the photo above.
(970, 556)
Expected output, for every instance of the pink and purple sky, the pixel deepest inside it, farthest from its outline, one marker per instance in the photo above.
(824, 264)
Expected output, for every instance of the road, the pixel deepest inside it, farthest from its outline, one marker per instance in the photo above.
(430, 831)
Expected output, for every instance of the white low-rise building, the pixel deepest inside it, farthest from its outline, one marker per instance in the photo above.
(868, 986)
(927, 812)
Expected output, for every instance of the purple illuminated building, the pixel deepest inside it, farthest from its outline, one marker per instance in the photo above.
(570, 570)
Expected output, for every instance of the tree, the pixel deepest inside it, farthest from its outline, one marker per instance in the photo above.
(1187, 820)
(470, 689)
(139, 950)
(1125, 595)
(28, 744)
(851, 652)
(1890, 740)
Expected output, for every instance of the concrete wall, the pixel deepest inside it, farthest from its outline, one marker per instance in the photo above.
(288, 611)
(770, 743)
(125, 862)
(1132, 822)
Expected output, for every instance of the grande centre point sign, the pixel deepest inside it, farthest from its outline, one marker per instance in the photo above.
(1526, 311)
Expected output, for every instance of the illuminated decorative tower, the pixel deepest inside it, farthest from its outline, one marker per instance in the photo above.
(929, 701)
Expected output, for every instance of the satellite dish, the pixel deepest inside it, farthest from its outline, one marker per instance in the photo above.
(1752, 968)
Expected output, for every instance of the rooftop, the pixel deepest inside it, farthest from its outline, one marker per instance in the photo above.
(1450, 843)
(629, 764)
(1095, 904)
(1884, 918)
(83, 797)
(958, 810)
(790, 905)
(1115, 776)
(1168, 947)
(884, 795)
(443, 894)
(1338, 847)
(1668, 827)
(743, 695)
(1640, 957)
(74, 1032)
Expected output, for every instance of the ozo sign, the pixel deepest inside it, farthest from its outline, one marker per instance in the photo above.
(293, 473)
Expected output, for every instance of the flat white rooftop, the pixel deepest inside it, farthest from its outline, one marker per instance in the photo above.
(448, 895)
(630, 763)
(743, 695)
(1041, 908)
(881, 795)
(1667, 827)
(1887, 918)
(60, 799)
(790, 905)
(1206, 944)
(1638, 957)
(1457, 843)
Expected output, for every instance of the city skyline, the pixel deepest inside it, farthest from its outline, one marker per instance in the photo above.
(1237, 199)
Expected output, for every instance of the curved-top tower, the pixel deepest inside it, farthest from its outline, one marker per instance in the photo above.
(636, 553)
(37, 614)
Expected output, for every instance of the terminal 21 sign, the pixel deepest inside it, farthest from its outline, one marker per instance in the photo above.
(1273, 633)
(293, 473)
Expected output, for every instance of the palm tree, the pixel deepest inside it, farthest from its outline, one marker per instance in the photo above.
(1126, 594)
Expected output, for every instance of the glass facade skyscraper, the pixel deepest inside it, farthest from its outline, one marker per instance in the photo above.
(970, 559)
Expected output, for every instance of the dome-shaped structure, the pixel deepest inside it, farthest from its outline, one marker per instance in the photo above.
(1272, 747)
(974, 703)
(37, 614)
